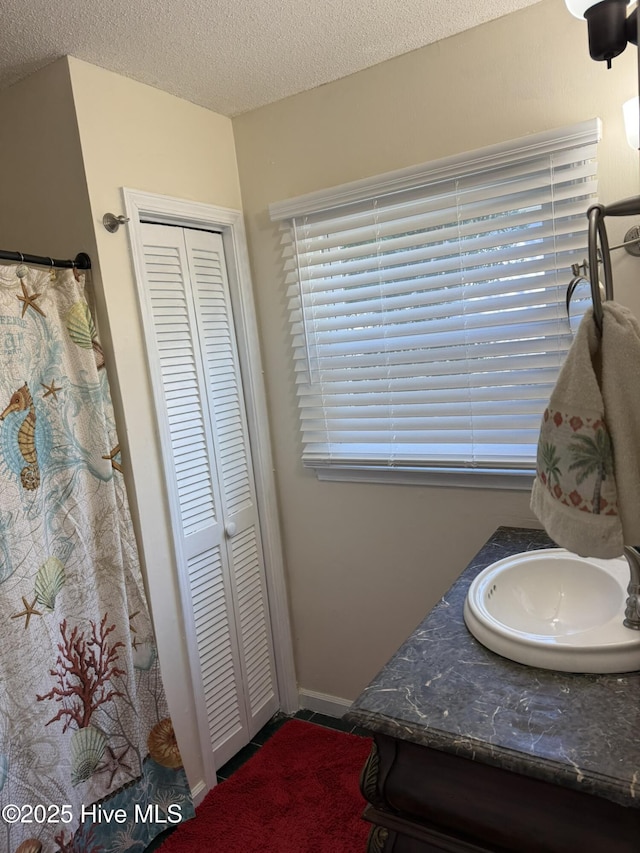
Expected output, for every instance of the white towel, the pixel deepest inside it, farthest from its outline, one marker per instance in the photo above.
(587, 441)
(621, 394)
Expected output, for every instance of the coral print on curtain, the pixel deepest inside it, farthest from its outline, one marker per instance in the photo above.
(88, 757)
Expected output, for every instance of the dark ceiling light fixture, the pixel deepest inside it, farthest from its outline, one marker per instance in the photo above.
(610, 30)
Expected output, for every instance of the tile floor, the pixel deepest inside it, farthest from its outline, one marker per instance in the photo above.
(260, 738)
(265, 733)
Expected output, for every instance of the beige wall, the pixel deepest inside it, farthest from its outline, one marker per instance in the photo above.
(366, 562)
(45, 207)
(138, 137)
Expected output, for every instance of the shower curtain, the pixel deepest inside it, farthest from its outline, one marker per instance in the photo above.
(88, 757)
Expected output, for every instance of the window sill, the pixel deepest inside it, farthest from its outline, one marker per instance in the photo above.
(515, 480)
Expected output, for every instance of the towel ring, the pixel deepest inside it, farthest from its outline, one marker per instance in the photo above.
(597, 231)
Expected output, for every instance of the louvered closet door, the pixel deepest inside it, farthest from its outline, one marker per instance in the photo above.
(209, 479)
(233, 454)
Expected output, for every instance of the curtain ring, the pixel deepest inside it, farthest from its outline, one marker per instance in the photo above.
(52, 272)
(21, 269)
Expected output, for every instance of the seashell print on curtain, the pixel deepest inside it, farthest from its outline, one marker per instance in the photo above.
(88, 758)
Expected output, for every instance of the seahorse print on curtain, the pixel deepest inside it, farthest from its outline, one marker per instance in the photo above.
(84, 726)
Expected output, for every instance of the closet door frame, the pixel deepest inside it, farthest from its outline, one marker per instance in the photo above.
(165, 210)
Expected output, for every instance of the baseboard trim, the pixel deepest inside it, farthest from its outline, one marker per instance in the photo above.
(322, 703)
(198, 792)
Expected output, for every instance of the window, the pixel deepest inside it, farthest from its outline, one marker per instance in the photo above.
(428, 308)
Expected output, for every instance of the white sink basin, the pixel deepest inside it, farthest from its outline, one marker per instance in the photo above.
(555, 610)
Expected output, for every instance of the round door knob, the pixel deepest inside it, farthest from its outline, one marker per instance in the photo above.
(230, 529)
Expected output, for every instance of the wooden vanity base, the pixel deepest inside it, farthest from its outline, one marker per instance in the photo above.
(421, 800)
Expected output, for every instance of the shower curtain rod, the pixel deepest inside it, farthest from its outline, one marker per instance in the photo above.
(82, 261)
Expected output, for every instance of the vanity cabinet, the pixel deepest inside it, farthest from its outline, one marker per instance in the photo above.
(421, 800)
(474, 753)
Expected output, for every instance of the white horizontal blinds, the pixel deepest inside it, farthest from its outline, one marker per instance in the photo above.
(429, 324)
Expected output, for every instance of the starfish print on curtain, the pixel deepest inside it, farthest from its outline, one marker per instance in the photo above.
(84, 722)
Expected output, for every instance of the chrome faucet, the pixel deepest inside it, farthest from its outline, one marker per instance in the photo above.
(632, 613)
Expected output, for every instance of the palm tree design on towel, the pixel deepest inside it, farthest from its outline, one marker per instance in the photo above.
(549, 463)
(592, 455)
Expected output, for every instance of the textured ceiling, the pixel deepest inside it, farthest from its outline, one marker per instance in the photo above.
(229, 55)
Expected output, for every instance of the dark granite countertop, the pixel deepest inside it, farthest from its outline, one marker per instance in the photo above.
(444, 690)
